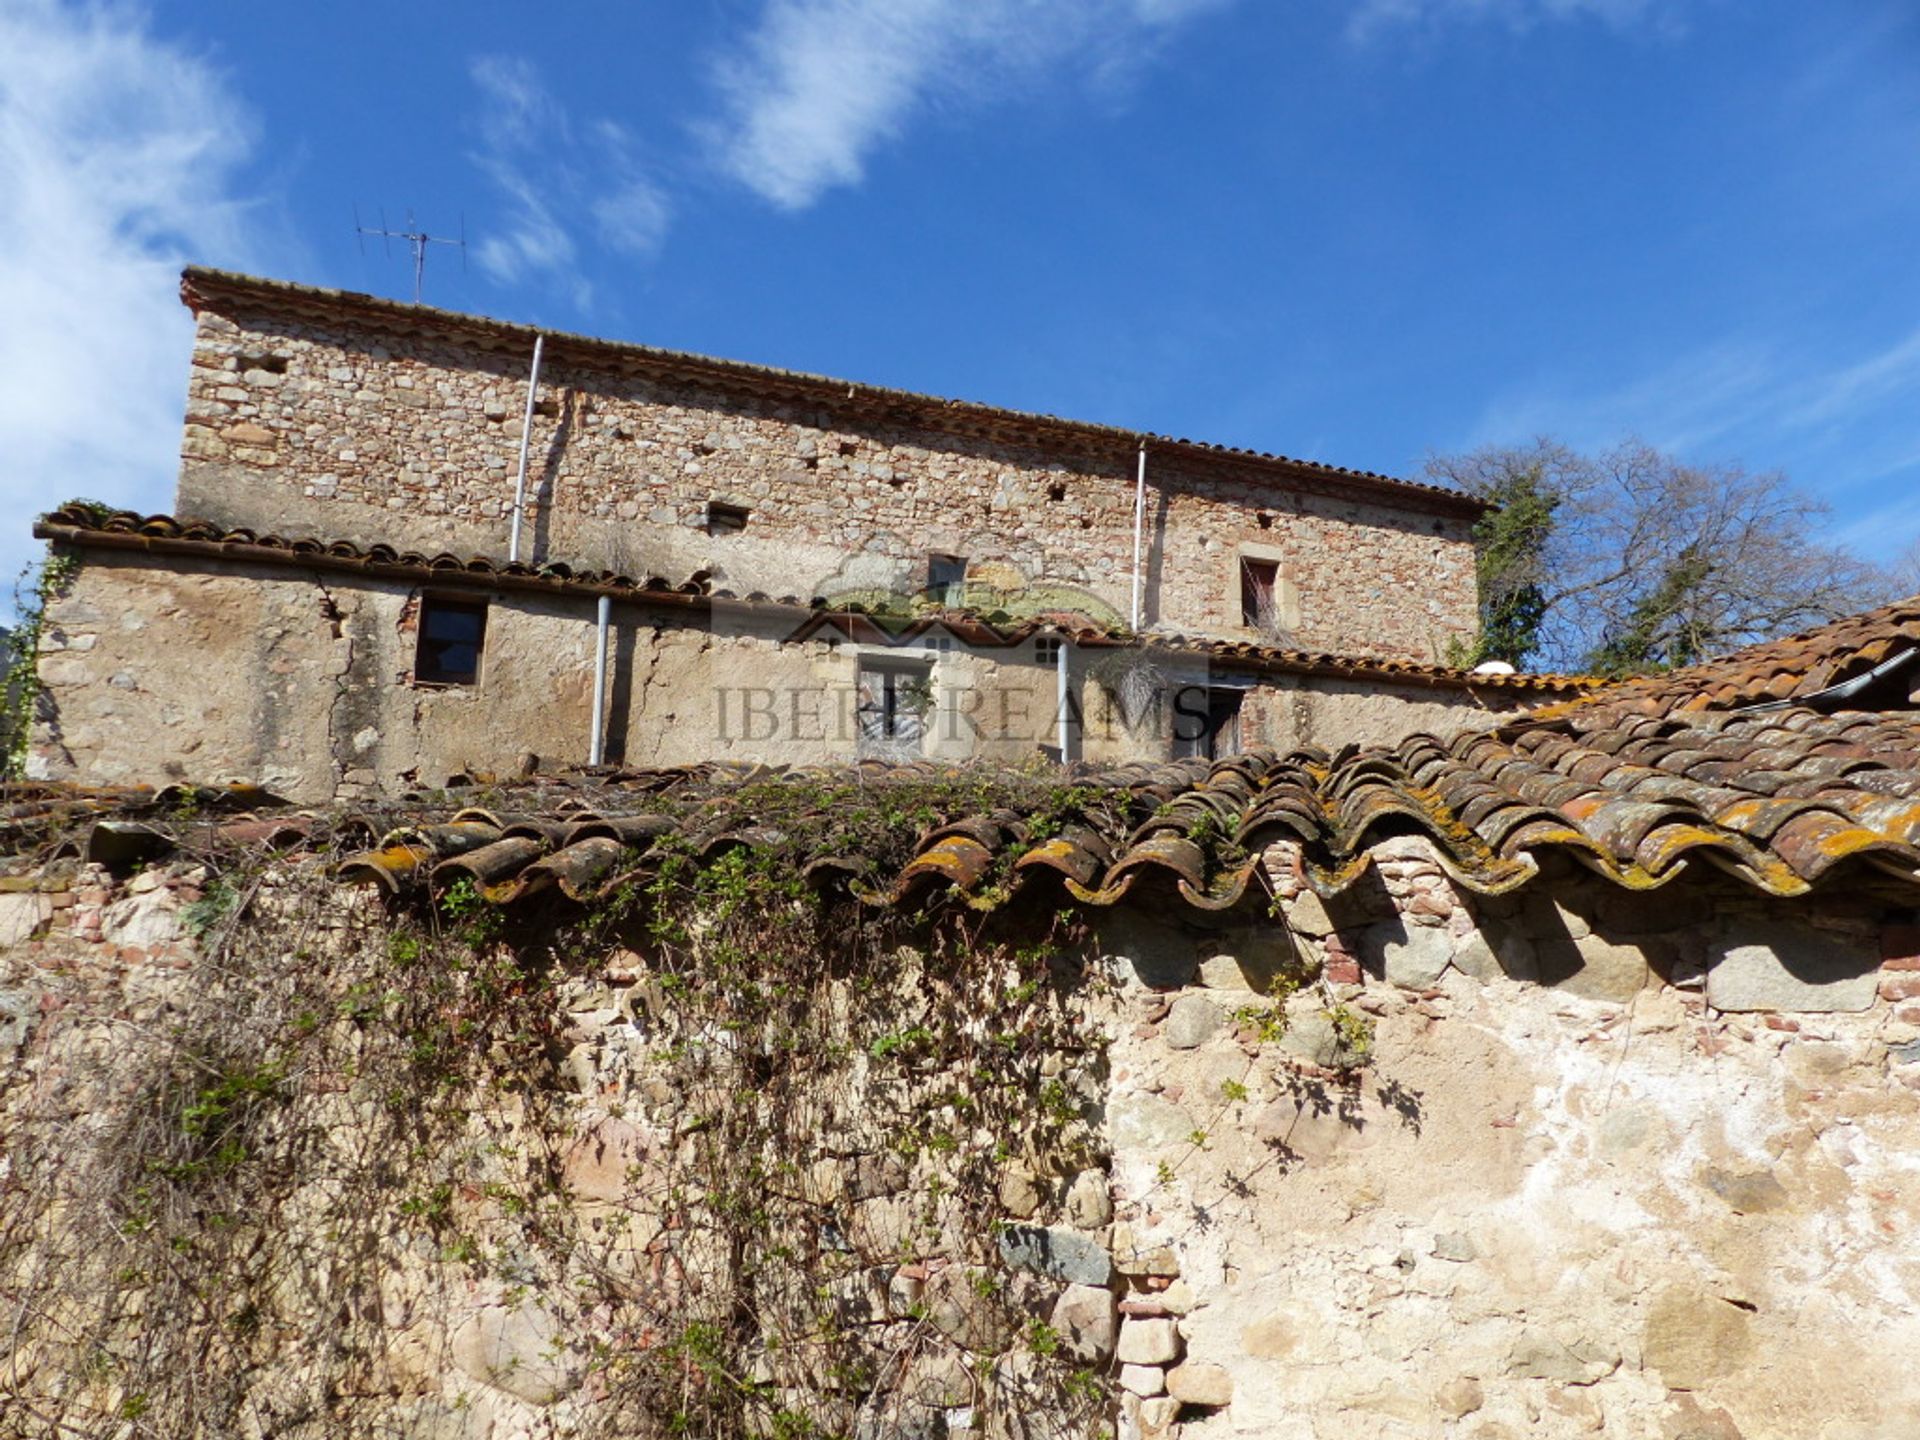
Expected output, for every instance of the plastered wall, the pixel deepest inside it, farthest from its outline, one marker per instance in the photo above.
(156, 670)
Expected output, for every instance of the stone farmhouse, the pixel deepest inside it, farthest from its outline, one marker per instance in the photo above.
(408, 544)
(1397, 1054)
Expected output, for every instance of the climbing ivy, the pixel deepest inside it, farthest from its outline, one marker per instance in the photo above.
(38, 586)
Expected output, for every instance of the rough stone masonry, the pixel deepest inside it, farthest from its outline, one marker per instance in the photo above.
(316, 412)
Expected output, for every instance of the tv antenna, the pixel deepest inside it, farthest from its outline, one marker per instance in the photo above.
(417, 240)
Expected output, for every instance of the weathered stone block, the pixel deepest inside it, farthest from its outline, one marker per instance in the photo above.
(1192, 1021)
(1087, 1319)
(21, 915)
(1148, 1342)
(1307, 915)
(1539, 1355)
(1158, 1416)
(520, 1349)
(1058, 1252)
(1311, 1035)
(1089, 1201)
(1794, 970)
(1249, 960)
(1134, 1254)
(1161, 956)
(1413, 956)
(1747, 1192)
(19, 1010)
(1692, 1337)
(600, 1165)
(938, 1378)
(1197, 1383)
(1143, 1380)
(958, 1309)
(1592, 968)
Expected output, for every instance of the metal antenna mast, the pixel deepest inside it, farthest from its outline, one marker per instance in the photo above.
(417, 240)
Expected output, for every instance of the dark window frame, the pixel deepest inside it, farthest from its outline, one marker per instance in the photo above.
(430, 649)
(1259, 593)
(946, 578)
(1222, 734)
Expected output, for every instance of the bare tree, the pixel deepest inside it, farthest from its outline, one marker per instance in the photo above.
(1645, 562)
(1906, 571)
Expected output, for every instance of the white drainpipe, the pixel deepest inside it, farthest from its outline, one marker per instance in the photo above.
(1062, 709)
(597, 736)
(1139, 534)
(526, 436)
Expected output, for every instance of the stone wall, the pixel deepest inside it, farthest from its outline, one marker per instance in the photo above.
(1621, 1165)
(156, 670)
(348, 429)
(1659, 1187)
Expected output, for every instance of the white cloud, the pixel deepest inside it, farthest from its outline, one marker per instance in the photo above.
(819, 84)
(119, 161)
(530, 150)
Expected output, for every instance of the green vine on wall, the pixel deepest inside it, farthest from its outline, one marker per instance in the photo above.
(38, 586)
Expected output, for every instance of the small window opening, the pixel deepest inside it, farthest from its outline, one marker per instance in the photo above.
(724, 519)
(946, 579)
(892, 703)
(549, 407)
(452, 635)
(1046, 650)
(1266, 520)
(1206, 722)
(1259, 585)
(849, 447)
(272, 364)
(1057, 490)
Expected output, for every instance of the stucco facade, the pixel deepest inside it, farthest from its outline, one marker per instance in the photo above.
(161, 668)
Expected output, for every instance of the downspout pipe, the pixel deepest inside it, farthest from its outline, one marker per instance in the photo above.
(597, 734)
(526, 438)
(1062, 707)
(1139, 537)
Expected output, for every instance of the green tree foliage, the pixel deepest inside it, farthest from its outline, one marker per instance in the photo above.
(1511, 540)
(1629, 560)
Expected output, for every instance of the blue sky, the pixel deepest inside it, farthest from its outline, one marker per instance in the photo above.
(1353, 230)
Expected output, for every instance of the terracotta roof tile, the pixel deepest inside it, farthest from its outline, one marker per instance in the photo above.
(1796, 668)
(1794, 799)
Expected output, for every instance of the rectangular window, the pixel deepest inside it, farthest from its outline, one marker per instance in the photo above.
(1046, 650)
(452, 634)
(1259, 589)
(723, 519)
(947, 579)
(893, 702)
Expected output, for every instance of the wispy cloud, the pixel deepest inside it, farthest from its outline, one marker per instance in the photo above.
(1371, 17)
(1846, 428)
(818, 85)
(120, 159)
(548, 167)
